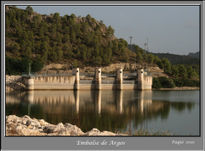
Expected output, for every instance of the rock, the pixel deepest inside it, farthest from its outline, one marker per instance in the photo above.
(75, 131)
(68, 125)
(64, 132)
(26, 116)
(11, 118)
(48, 129)
(35, 123)
(59, 127)
(28, 122)
(107, 133)
(93, 132)
(26, 126)
(42, 122)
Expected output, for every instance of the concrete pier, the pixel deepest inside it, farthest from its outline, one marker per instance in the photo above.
(98, 78)
(30, 84)
(140, 79)
(99, 102)
(119, 79)
(77, 101)
(144, 81)
(76, 72)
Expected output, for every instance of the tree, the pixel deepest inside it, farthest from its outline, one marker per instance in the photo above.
(7, 22)
(73, 16)
(110, 31)
(28, 52)
(191, 74)
(150, 58)
(182, 71)
(36, 21)
(66, 38)
(67, 50)
(166, 65)
(156, 83)
(72, 36)
(139, 57)
(175, 71)
(166, 82)
(97, 61)
(37, 64)
(29, 9)
(57, 20)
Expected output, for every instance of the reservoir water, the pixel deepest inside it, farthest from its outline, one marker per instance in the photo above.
(125, 111)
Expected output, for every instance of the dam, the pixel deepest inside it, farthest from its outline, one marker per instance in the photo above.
(97, 81)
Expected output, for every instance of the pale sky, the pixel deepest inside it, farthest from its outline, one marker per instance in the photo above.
(173, 29)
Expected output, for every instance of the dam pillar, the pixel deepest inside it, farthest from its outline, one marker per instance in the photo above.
(144, 80)
(98, 79)
(76, 72)
(30, 97)
(30, 83)
(99, 103)
(119, 79)
(77, 101)
(120, 101)
(140, 79)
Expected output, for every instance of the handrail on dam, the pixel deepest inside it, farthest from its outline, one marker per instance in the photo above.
(97, 80)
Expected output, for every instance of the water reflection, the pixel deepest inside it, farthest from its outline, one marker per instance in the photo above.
(115, 111)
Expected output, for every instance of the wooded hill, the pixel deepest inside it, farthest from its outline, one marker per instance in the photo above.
(62, 39)
(39, 40)
(192, 58)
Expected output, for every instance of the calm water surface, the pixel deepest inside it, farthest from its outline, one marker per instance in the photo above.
(119, 111)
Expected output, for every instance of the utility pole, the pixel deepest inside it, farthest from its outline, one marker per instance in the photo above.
(146, 47)
(131, 42)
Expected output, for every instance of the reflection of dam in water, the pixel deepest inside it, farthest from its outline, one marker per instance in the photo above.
(122, 110)
(113, 101)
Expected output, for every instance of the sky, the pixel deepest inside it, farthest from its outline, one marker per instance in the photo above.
(167, 29)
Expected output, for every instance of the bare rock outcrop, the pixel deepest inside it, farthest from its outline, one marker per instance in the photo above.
(14, 82)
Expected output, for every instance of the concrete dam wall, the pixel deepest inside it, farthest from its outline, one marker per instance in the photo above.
(98, 82)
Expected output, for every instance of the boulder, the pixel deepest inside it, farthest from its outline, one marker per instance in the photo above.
(26, 126)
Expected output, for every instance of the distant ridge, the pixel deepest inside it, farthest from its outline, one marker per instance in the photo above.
(194, 55)
(191, 58)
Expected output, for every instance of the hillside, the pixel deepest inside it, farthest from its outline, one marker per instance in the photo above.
(43, 39)
(37, 43)
(194, 55)
(192, 58)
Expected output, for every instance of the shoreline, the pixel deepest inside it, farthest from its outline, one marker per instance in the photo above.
(27, 126)
(8, 89)
(178, 88)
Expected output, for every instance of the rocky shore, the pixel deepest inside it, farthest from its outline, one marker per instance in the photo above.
(26, 126)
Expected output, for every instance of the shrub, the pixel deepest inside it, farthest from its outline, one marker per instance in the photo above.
(163, 82)
(186, 82)
(156, 83)
(166, 82)
(37, 65)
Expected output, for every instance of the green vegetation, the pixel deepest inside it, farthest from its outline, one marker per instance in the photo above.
(163, 82)
(191, 58)
(179, 75)
(37, 40)
(43, 39)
